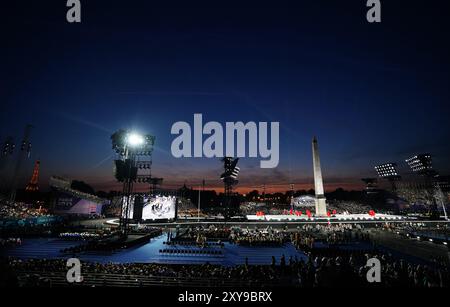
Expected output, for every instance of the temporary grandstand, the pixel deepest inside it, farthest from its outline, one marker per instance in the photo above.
(304, 201)
(68, 201)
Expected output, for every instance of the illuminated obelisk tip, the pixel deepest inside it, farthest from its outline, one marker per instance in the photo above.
(321, 205)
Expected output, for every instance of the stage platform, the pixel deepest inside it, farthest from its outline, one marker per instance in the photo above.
(130, 240)
(285, 219)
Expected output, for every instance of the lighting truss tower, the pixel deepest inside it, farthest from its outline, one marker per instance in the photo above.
(8, 147)
(230, 174)
(154, 183)
(134, 152)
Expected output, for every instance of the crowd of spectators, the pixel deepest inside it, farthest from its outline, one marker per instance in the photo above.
(331, 267)
(236, 235)
(303, 236)
(339, 206)
(79, 235)
(334, 265)
(306, 235)
(211, 232)
(8, 242)
(257, 237)
(347, 207)
(324, 266)
(17, 210)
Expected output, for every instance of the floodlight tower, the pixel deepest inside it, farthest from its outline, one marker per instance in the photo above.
(8, 147)
(229, 178)
(130, 147)
(25, 150)
(389, 172)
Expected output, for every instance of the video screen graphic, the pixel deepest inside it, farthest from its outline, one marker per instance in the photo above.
(159, 207)
(153, 207)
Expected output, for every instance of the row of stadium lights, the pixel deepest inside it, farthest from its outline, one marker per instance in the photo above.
(416, 163)
(386, 170)
(9, 147)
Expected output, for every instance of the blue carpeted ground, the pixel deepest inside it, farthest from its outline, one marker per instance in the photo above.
(149, 253)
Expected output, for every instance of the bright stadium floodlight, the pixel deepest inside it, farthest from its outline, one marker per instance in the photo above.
(389, 172)
(134, 139)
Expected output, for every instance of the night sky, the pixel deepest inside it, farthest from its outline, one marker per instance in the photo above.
(371, 93)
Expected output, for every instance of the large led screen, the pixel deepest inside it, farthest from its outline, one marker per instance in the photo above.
(154, 207)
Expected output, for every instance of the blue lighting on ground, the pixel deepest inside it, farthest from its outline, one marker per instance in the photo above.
(149, 253)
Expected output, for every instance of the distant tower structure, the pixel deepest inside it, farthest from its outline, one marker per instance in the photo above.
(25, 151)
(33, 185)
(230, 174)
(321, 204)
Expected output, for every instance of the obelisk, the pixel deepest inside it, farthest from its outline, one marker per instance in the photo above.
(321, 205)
